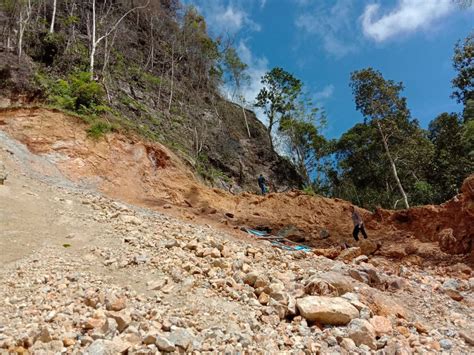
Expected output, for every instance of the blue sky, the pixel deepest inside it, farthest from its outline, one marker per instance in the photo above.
(322, 41)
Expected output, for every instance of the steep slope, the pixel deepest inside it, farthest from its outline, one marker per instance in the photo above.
(150, 175)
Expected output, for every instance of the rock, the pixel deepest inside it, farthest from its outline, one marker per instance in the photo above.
(110, 327)
(326, 310)
(115, 303)
(381, 325)
(150, 338)
(67, 342)
(468, 336)
(131, 220)
(398, 346)
(330, 253)
(455, 295)
(404, 331)
(264, 298)
(215, 253)
(451, 284)
(348, 344)
(368, 247)
(122, 318)
(140, 259)
(445, 344)
(105, 347)
(156, 284)
(45, 335)
(349, 254)
(164, 344)
(361, 259)
(251, 278)
(181, 337)
(319, 287)
(362, 332)
(343, 284)
(383, 305)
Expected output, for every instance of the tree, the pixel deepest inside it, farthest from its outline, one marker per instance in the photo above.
(306, 146)
(236, 70)
(25, 15)
(451, 163)
(277, 97)
(53, 17)
(95, 40)
(379, 100)
(463, 63)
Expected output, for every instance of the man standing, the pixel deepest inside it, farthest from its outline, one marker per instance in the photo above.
(358, 225)
(262, 184)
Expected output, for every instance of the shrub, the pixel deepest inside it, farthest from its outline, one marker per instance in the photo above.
(99, 129)
(78, 93)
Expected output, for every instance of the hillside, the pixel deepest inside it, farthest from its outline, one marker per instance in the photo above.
(169, 96)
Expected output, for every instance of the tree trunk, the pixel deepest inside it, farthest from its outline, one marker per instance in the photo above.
(392, 164)
(53, 18)
(23, 23)
(93, 42)
(246, 121)
(172, 78)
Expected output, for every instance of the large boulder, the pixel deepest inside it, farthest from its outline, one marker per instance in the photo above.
(327, 310)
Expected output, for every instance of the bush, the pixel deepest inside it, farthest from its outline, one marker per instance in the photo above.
(78, 93)
(99, 129)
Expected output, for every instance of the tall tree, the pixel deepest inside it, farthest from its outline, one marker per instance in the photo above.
(451, 163)
(238, 76)
(463, 83)
(96, 39)
(53, 17)
(278, 96)
(306, 146)
(379, 100)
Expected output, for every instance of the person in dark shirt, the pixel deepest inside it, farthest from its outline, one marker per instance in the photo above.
(358, 224)
(262, 184)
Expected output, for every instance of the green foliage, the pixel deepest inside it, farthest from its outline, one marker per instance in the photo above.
(99, 128)
(423, 192)
(210, 174)
(236, 69)
(78, 93)
(278, 96)
(452, 161)
(375, 97)
(309, 190)
(463, 63)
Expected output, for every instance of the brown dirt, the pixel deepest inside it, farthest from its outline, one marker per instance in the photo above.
(150, 175)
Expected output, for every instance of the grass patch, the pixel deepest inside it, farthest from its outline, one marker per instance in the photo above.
(98, 129)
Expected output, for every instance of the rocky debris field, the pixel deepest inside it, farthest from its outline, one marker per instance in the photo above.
(147, 283)
(82, 273)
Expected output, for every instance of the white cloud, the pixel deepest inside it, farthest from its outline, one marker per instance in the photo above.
(325, 93)
(333, 25)
(226, 16)
(408, 16)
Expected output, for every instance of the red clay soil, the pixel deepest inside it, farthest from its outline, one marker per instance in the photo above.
(150, 175)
